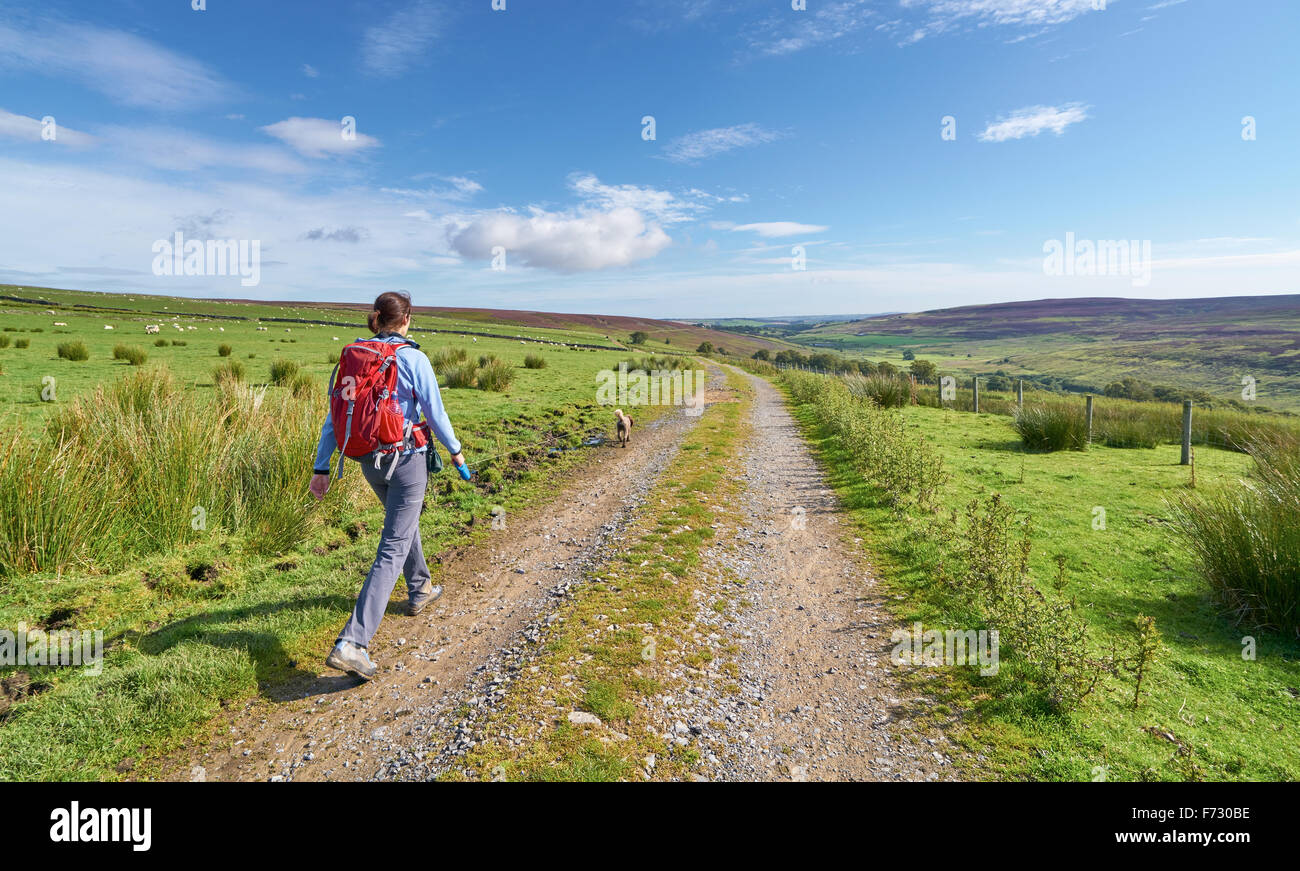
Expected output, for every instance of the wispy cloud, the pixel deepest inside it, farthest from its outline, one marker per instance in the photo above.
(310, 71)
(180, 150)
(664, 206)
(1033, 120)
(393, 46)
(944, 15)
(351, 235)
(703, 144)
(318, 137)
(778, 229)
(819, 24)
(124, 67)
(26, 129)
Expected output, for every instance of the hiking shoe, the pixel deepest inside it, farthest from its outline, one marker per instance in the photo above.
(348, 657)
(421, 598)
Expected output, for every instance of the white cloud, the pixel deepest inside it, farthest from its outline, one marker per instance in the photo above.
(1032, 120)
(943, 15)
(821, 23)
(167, 148)
(464, 187)
(314, 245)
(122, 66)
(317, 137)
(310, 71)
(564, 242)
(777, 229)
(26, 129)
(388, 49)
(703, 144)
(664, 206)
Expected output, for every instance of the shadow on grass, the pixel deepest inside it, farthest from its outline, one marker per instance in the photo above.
(279, 675)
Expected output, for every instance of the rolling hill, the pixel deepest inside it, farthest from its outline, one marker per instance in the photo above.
(1207, 344)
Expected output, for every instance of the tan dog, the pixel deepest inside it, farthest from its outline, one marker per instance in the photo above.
(622, 427)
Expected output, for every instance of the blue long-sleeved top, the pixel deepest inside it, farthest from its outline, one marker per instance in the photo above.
(417, 392)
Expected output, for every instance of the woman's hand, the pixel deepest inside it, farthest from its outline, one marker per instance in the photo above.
(458, 459)
(319, 486)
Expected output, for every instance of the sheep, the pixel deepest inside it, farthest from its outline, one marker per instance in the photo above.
(150, 329)
(622, 427)
(108, 326)
(60, 323)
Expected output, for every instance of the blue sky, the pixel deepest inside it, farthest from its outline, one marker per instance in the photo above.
(777, 130)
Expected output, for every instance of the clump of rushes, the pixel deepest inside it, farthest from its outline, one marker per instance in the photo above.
(1245, 538)
(303, 385)
(75, 351)
(1052, 428)
(223, 350)
(160, 450)
(4, 341)
(460, 375)
(887, 391)
(534, 361)
(22, 343)
(495, 376)
(447, 356)
(283, 372)
(133, 354)
(160, 343)
(232, 371)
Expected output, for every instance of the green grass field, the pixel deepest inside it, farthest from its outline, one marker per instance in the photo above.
(1206, 712)
(219, 617)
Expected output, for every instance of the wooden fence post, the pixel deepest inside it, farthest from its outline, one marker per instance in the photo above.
(1020, 394)
(1089, 418)
(1187, 433)
(975, 392)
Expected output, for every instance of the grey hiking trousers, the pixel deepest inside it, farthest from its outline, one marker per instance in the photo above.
(399, 543)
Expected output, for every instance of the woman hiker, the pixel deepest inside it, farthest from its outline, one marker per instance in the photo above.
(398, 473)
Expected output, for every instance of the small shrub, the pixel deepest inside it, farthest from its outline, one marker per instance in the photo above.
(22, 343)
(303, 385)
(133, 354)
(495, 375)
(1052, 428)
(75, 351)
(160, 343)
(224, 350)
(534, 361)
(230, 372)
(447, 356)
(460, 375)
(283, 372)
(1246, 538)
(887, 391)
(179, 343)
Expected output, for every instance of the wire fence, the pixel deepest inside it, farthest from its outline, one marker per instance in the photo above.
(1112, 420)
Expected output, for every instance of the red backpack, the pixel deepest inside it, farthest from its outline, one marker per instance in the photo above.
(364, 410)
